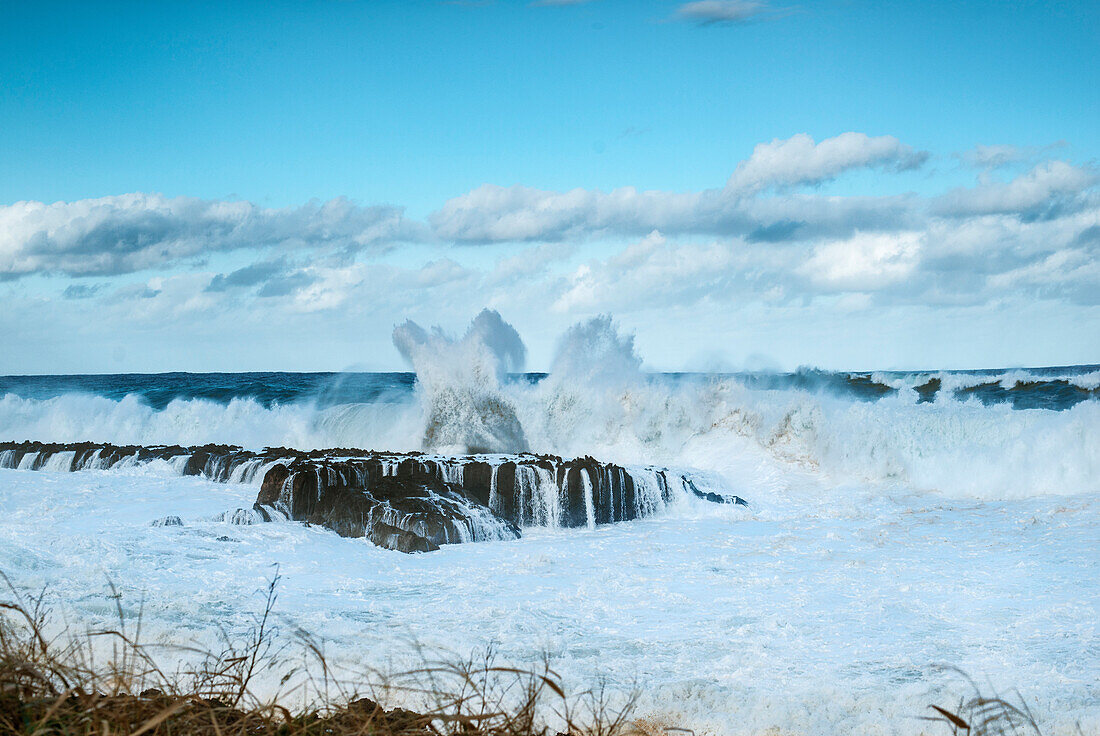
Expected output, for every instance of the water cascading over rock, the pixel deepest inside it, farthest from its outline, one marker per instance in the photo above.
(411, 502)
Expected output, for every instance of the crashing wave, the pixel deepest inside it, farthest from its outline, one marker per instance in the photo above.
(459, 383)
(957, 433)
(409, 502)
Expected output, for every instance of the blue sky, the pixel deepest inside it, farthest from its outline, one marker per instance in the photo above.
(924, 194)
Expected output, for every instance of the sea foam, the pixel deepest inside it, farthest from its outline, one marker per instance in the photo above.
(597, 401)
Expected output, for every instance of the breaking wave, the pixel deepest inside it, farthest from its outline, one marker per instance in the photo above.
(951, 432)
(460, 384)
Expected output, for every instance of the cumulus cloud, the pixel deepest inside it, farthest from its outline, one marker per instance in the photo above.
(132, 232)
(990, 262)
(763, 201)
(721, 11)
(1072, 275)
(865, 262)
(798, 160)
(945, 262)
(1046, 186)
(493, 213)
(656, 271)
(765, 236)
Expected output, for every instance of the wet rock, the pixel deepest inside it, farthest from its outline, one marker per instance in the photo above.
(503, 499)
(409, 511)
(477, 480)
(431, 499)
(246, 517)
(712, 497)
(272, 485)
(390, 537)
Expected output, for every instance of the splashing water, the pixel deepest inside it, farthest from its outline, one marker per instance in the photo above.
(459, 384)
(761, 435)
(896, 520)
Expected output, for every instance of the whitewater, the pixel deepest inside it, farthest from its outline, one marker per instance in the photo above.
(898, 522)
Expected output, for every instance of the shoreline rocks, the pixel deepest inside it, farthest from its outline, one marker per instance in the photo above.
(407, 501)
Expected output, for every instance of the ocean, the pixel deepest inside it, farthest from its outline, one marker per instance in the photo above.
(897, 524)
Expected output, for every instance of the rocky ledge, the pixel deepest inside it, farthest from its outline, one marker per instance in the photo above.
(411, 502)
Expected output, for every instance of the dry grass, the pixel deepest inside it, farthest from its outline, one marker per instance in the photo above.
(984, 714)
(64, 685)
(59, 686)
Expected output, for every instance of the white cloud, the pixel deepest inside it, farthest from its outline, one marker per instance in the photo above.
(1044, 186)
(661, 285)
(493, 213)
(654, 271)
(944, 262)
(991, 226)
(439, 272)
(1072, 275)
(326, 289)
(758, 242)
(131, 232)
(864, 262)
(799, 160)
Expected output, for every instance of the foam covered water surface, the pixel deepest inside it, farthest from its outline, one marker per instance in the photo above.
(825, 618)
(896, 521)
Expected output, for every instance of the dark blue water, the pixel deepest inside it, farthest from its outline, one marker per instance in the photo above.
(1053, 388)
(158, 389)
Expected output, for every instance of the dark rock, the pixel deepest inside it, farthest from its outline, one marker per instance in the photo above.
(410, 511)
(272, 485)
(408, 501)
(503, 503)
(712, 497)
(196, 463)
(477, 480)
(575, 511)
(390, 537)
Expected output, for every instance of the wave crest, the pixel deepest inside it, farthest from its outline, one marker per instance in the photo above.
(459, 384)
(758, 439)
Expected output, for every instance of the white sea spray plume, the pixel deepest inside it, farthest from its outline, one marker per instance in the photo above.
(597, 400)
(459, 384)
